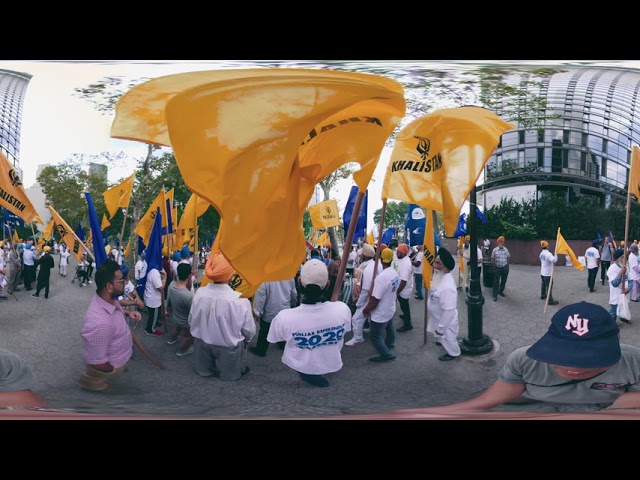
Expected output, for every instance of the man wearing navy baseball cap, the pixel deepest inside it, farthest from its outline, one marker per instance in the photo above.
(578, 361)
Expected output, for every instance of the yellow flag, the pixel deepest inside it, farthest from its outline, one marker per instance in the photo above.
(143, 229)
(460, 259)
(370, 239)
(38, 219)
(429, 252)
(48, 230)
(438, 158)
(325, 214)
(15, 238)
(634, 172)
(563, 247)
(323, 240)
(66, 234)
(195, 207)
(12, 194)
(254, 143)
(119, 195)
(105, 222)
(40, 242)
(126, 250)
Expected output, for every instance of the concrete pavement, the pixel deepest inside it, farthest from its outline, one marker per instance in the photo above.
(47, 334)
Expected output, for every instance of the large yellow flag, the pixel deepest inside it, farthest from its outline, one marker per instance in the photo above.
(325, 214)
(195, 207)
(254, 143)
(66, 235)
(119, 195)
(12, 194)
(105, 222)
(429, 252)
(143, 229)
(563, 247)
(48, 230)
(438, 158)
(634, 172)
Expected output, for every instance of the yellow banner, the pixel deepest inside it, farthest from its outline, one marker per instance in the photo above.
(370, 240)
(323, 240)
(325, 214)
(254, 143)
(563, 247)
(105, 222)
(66, 235)
(143, 229)
(48, 230)
(634, 172)
(119, 196)
(429, 252)
(12, 194)
(437, 159)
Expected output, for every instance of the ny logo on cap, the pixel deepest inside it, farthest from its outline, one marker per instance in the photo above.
(581, 325)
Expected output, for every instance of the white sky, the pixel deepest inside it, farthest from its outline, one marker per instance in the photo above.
(57, 124)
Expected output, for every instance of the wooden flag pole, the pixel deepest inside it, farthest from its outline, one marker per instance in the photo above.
(378, 249)
(347, 242)
(124, 220)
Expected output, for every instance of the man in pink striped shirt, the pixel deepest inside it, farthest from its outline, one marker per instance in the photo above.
(107, 341)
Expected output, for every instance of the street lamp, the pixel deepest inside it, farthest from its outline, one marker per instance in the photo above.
(476, 342)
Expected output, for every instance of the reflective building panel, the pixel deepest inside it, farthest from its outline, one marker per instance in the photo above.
(13, 86)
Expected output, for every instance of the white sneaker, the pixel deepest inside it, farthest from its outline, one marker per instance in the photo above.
(353, 342)
(189, 351)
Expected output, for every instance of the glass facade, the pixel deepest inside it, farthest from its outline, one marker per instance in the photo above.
(13, 86)
(586, 150)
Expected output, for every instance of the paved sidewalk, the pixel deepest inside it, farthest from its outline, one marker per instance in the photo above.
(47, 333)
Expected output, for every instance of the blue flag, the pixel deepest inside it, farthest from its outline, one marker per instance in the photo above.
(600, 239)
(361, 226)
(80, 232)
(153, 257)
(461, 228)
(141, 245)
(169, 214)
(11, 219)
(481, 216)
(96, 234)
(387, 235)
(415, 225)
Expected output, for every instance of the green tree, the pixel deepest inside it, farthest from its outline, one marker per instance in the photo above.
(395, 216)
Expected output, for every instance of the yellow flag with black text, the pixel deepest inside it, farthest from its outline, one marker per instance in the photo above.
(255, 142)
(66, 235)
(12, 194)
(325, 214)
(437, 159)
(143, 229)
(119, 196)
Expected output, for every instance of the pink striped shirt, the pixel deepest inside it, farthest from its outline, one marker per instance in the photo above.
(105, 334)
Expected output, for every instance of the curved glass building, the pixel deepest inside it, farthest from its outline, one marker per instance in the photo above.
(584, 152)
(13, 86)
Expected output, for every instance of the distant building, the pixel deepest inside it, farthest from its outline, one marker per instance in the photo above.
(38, 198)
(585, 153)
(13, 86)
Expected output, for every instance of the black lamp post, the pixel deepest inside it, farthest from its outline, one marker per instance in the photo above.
(476, 342)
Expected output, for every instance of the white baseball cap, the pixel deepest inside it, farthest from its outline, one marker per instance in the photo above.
(314, 272)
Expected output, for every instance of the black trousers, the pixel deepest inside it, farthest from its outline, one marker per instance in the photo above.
(591, 280)
(43, 282)
(604, 266)
(29, 276)
(544, 287)
(500, 275)
(404, 306)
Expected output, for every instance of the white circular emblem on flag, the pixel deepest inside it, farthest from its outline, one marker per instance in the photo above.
(417, 213)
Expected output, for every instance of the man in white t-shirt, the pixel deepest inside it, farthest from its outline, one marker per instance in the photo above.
(64, 260)
(381, 309)
(547, 259)
(405, 289)
(416, 262)
(314, 330)
(364, 281)
(592, 256)
(153, 292)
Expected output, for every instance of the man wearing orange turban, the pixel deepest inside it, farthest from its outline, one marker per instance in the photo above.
(221, 323)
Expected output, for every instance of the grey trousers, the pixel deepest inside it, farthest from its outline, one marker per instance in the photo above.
(223, 362)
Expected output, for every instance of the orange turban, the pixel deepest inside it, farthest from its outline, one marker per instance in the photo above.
(218, 269)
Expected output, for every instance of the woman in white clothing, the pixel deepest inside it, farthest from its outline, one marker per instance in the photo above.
(64, 260)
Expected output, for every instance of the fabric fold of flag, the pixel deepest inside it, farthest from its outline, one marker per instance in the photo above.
(361, 226)
(12, 194)
(119, 195)
(563, 247)
(437, 159)
(145, 225)
(48, 230)
(66, 234)
(429, 252)
(105, 222)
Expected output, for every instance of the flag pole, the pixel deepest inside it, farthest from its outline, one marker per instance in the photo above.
(124, 220)
(378, 250)
(626, 226)
(434, 219)
(345, 251)
(555, 253)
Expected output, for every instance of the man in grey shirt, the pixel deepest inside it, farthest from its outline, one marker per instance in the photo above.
(179, 299)
(268, 301)
(605, 259)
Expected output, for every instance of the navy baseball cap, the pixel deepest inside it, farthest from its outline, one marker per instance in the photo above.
(581, 335)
